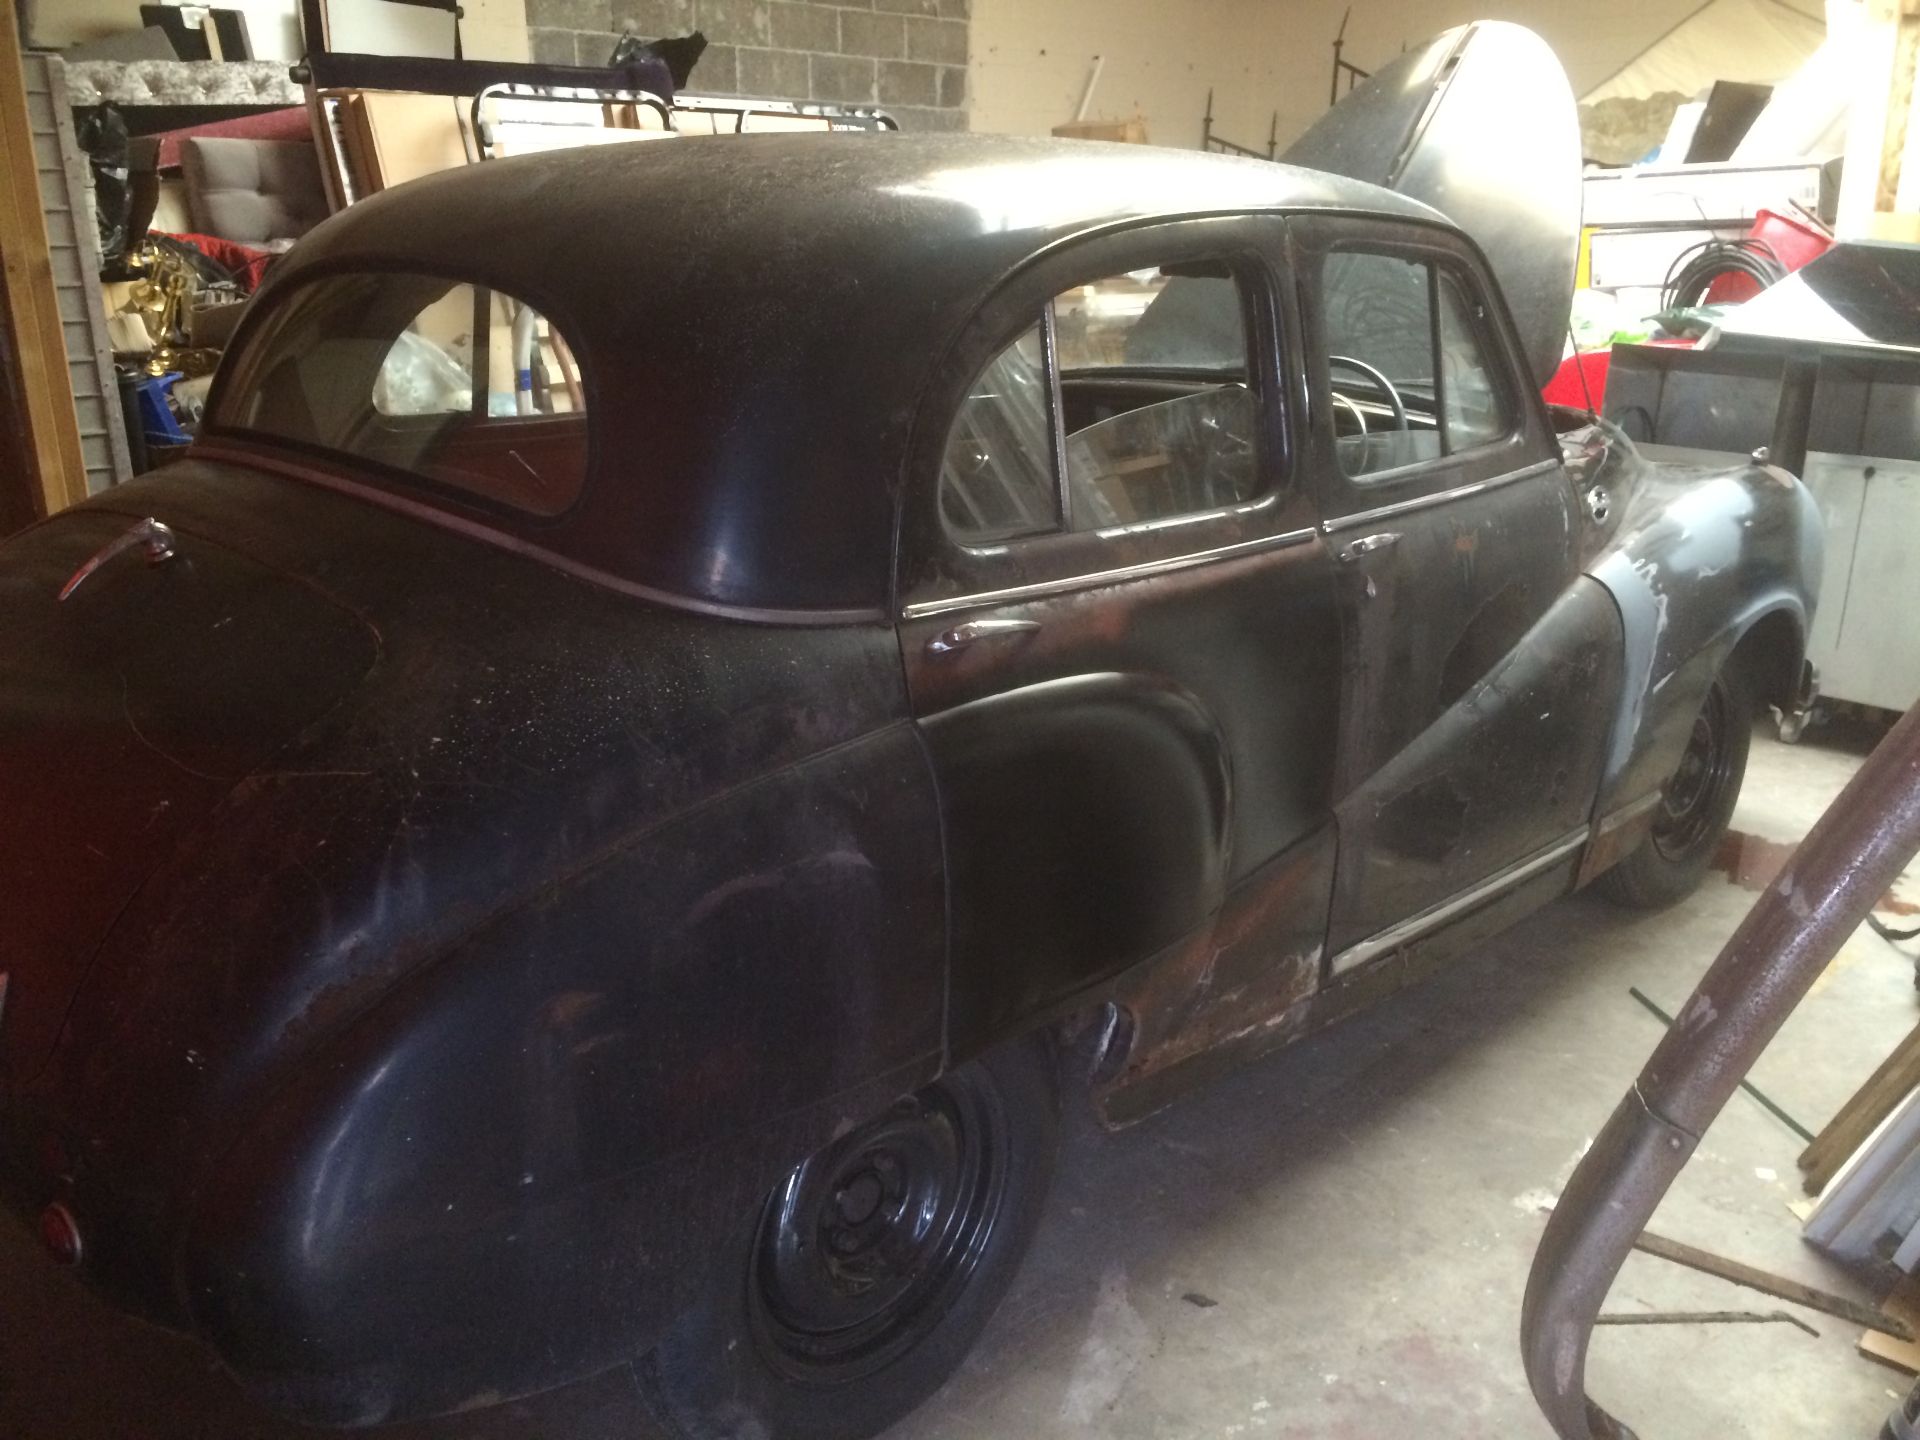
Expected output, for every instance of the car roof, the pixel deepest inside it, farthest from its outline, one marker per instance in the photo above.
(758, 316)
(803, 197)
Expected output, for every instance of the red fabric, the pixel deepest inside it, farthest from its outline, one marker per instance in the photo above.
(247, 264)
(289, 124)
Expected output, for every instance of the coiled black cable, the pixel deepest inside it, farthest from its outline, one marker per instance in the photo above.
(1695, 269)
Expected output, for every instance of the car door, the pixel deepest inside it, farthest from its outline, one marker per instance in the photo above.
(1481, 665)
(1117, 617)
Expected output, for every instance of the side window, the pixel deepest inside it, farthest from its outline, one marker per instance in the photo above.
(1379, 312)
(997, 481)
(1473, 406)
(1408, 363)
(1147, 408)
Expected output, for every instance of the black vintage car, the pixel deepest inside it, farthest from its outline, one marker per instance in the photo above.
(679, 683)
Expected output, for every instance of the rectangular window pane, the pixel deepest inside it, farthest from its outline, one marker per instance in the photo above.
(1475, 410)
(1380, 361)
(1188, 317)
(1154, 390)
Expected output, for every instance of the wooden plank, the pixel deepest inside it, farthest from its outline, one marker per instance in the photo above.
(1778, 1286)
(96, 390)
(413, 135)
(1895, 1079)
(32, 315)
(1901, 1355)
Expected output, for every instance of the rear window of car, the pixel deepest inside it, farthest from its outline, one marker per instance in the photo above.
(450, 386)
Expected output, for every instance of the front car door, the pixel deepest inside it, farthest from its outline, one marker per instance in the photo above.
(1481, 664)
(1118, 626)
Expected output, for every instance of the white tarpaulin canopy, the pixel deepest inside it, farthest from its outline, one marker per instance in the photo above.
(1758, 41)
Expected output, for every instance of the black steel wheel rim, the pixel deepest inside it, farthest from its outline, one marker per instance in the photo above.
(1692, 794)
(866, 1247)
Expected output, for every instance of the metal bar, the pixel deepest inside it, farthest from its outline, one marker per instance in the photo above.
(1710, 1317)
(1778, 1286)
(1746, 1085)
(1788, 448)
(1339, 44)
(1847, 862)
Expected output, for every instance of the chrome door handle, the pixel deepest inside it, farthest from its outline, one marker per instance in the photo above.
(961, 636)
(1367, 544)
(150, 534)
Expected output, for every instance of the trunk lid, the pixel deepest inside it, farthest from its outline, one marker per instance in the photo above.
(128, 711)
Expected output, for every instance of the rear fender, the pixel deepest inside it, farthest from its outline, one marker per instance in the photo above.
(520, 1165)
(1087, 827)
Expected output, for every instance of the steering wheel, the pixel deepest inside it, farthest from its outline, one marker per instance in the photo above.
(1379, 382)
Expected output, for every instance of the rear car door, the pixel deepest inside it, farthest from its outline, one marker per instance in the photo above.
(1481, 665)
(1117, 616)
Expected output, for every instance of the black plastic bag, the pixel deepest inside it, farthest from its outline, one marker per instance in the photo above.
(102, 133)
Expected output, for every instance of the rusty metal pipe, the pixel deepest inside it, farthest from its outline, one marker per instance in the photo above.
(1849, 858)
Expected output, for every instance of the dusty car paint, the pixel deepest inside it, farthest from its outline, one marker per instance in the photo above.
(590, 873)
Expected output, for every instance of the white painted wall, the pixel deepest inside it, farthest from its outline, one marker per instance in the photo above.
(1030, 57)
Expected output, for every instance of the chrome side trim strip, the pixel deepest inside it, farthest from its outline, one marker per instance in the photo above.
(1422, 502)
(1627, 814)
(1432, 918)
(1070, 583)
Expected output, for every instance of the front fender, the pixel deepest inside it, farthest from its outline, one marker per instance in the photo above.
(1699, 558)
(494, 1181)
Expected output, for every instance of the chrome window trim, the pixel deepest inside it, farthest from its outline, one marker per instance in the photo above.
(1394, 937)
(1067, 584)
(1439, 497)
(1056, 428)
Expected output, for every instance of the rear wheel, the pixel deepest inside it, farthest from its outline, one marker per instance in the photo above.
(872, 1268)
(1696, 805)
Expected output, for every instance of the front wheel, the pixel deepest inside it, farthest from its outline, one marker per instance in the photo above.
(872, 1268)
(1696, 805)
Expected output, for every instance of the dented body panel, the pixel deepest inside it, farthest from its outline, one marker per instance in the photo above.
(488, 915)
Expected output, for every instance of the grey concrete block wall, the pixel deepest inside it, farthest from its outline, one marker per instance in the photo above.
(908, 56)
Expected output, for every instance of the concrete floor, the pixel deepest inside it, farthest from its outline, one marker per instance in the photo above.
(1331, 1243)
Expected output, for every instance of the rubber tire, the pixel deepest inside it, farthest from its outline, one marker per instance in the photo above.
(708, 1379)
(1651, 879)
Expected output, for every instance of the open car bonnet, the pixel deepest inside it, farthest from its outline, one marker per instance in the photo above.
(1480, 123)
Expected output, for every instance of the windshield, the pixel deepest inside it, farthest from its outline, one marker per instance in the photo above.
(448, 386)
